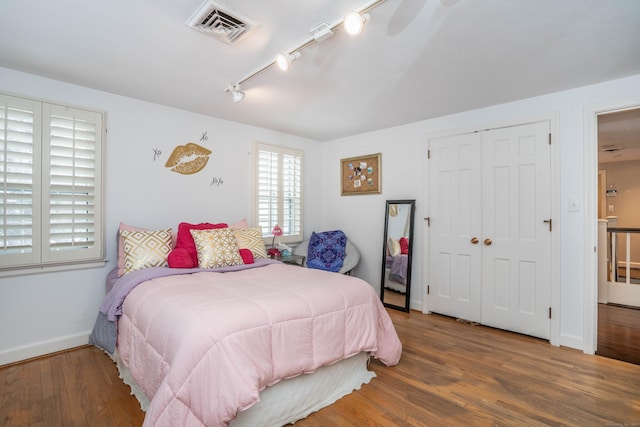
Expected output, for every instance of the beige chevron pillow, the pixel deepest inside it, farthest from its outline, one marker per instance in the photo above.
(145, 248)
(251, 238)
(216, 248)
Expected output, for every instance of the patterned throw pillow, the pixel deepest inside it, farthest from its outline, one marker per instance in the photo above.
(251, 238)
(185, 239)
(123, 227)
(327, 250)
(216, 248)
(145, 248)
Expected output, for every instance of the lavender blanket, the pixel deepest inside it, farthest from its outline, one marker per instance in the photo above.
(105, 329)
(398, 272)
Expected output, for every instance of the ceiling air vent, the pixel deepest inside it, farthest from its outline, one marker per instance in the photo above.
(220, 22)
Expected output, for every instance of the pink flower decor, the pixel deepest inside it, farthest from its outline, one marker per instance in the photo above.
(277, 231)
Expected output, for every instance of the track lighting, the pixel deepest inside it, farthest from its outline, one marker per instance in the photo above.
(354, 22)
(238, 95)
(322, 32)
(284, 60)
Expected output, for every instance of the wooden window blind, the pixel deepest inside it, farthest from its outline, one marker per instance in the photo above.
(50, 184)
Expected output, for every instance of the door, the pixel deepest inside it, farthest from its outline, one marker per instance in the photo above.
(455, 223)
(489, 246)
(516, 229)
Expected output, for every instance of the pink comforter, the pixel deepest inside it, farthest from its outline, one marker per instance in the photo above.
(202, 346)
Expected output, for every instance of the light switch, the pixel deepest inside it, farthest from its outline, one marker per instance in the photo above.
(610, 208)
(574, 204)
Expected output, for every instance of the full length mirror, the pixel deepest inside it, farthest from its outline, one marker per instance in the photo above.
(395, 284)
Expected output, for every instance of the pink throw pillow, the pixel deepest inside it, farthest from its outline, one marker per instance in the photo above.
(247, 256)
(180, 258)
(240, 224)
(185, 239)
(404, 246)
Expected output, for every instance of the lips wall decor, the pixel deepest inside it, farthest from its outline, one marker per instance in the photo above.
(188, 159)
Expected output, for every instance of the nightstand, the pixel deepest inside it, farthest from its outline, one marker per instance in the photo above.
(293, 259)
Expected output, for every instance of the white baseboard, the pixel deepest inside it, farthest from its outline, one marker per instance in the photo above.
(572, 342)
(42, 348)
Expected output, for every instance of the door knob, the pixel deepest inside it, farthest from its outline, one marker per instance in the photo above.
(474, 240)
(488, 242)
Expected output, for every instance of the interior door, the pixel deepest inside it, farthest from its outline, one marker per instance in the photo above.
(455, 224)
(489, 244)
(516, 229)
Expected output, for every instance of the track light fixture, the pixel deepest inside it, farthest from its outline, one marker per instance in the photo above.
(284, 60)
(236, 92)
(353, 24)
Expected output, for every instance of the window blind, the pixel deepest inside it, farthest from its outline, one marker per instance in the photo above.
(50, 188)
(278, 191)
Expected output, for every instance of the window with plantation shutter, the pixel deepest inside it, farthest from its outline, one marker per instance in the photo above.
(278, 191)
(50, 184)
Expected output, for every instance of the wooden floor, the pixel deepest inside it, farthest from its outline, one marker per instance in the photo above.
(619, 332)
(450, 374)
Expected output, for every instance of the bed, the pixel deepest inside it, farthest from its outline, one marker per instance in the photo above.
(396, 272)
(214, 346)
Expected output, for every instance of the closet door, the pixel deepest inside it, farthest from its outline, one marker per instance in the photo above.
(489, 245)
(455, 226)
(516, 202)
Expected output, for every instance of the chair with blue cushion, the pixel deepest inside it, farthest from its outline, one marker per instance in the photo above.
(350, 261)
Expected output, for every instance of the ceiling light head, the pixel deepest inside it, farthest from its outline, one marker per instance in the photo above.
(236, 92)
(284, 60)
(354, 22)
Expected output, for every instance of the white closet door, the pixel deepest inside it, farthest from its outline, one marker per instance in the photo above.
(516, 202)
(493, 186)
(454, 201)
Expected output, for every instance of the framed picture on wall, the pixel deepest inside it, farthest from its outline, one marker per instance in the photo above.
(361, 175)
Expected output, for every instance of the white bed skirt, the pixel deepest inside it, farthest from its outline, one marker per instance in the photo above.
(292, 399)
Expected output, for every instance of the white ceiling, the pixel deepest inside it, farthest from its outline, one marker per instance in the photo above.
(416, 59)
(619, 136)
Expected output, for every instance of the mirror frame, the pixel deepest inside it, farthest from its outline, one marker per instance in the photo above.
(412, 204)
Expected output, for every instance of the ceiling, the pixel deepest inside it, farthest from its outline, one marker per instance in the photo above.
(619, 136)
(416, 59)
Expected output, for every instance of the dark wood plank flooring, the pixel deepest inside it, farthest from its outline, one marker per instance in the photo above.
(450, 374)
(619, 332)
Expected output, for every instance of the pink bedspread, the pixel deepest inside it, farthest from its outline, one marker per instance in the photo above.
(202, 346)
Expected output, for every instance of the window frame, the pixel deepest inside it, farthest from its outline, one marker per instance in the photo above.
(279, 219)
(43, 256)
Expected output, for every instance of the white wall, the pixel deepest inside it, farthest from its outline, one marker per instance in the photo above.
(42, 313)
(403, 151)
(48, 312)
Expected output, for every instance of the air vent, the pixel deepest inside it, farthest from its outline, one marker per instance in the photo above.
(220, 22)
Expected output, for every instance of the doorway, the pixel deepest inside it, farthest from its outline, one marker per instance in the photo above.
(618, 307)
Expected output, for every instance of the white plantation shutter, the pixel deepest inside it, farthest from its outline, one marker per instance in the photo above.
(278, 191)
(19, 180)
(70, 192)
(292, 194)
(50, 184)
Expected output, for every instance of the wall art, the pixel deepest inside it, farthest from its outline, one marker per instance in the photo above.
(188, 159)
(361, 175)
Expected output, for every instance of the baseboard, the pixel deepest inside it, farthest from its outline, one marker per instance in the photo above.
(572, 342)
(41, 348)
